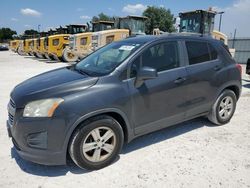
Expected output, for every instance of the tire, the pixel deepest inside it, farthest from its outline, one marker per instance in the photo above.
(61, 59)
(47, 56)
(69, 56)
(40, 56)
(20, 51)
(83, 136)
(221, 113)
(35, 54)
(54, 57)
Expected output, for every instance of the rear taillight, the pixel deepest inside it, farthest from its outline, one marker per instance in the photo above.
(239, 67)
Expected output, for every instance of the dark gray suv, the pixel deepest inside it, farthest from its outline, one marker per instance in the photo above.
(121, 91)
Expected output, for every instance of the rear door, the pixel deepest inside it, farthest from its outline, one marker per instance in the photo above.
(159, 102)
(203, 76)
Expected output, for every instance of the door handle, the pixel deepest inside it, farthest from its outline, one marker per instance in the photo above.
(180, 80)
(217, 68)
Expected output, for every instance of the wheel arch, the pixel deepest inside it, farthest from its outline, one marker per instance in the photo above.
(235, 86)
(115, 113)
(235, 89)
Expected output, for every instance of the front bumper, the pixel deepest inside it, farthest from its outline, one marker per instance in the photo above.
(40, 141)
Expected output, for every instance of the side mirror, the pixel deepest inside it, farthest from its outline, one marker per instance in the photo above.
(145, 73)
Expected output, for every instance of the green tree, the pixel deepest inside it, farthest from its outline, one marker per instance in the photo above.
(30, 32)
(102, 17)
(6, 34)
(159, 17)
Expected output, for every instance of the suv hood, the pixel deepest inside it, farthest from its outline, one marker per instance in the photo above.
(55, 83)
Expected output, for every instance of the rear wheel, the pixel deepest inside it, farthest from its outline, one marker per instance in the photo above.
(69, 56)
(224, 107)
(96, 143)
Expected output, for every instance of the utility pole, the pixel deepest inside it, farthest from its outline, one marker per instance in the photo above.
(234, 37)
(38, 28)
(220, 13)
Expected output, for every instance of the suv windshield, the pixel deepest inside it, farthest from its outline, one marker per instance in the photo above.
(106, 59)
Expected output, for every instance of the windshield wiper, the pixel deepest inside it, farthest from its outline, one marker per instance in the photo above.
(81, 71)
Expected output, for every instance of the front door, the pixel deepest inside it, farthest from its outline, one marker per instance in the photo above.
(159, 102)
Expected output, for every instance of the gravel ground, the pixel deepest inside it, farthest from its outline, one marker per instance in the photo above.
(190, 154)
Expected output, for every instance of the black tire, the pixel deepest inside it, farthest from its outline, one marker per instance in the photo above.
(19, 51)
(47, 57)
(35, 54)
(214, 115)
(82, 133)
(61, 59)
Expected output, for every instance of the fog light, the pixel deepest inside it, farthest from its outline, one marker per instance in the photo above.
(38, 140)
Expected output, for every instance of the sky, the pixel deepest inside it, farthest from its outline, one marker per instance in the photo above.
(20, 15)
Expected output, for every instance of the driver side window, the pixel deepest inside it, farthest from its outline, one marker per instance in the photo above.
(163, 56)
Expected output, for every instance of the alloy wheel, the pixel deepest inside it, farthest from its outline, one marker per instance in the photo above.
(226, 107)
(99, 144)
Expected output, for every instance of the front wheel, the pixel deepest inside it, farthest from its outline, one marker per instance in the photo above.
(69, 55)
(96, 143)
(223, 109)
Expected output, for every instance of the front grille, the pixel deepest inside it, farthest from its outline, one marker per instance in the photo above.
(12, 103)
(11, 112)
(11, 118)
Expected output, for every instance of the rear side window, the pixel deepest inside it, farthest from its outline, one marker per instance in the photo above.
(198, 52)
(227, 49)
(213, 52)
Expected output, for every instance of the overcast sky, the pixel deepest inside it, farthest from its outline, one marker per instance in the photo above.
(28, 14)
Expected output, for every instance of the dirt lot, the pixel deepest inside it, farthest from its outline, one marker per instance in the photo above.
(191, 154)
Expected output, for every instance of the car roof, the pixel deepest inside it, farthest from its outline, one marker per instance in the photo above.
(151, 38)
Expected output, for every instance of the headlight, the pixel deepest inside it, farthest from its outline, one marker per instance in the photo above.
(42, 108)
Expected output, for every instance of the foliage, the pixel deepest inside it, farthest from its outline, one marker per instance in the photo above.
(102, 17)
(159, 17)
(30, 32)
(6, 34)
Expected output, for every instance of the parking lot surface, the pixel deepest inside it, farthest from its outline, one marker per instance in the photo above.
(190, 154)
